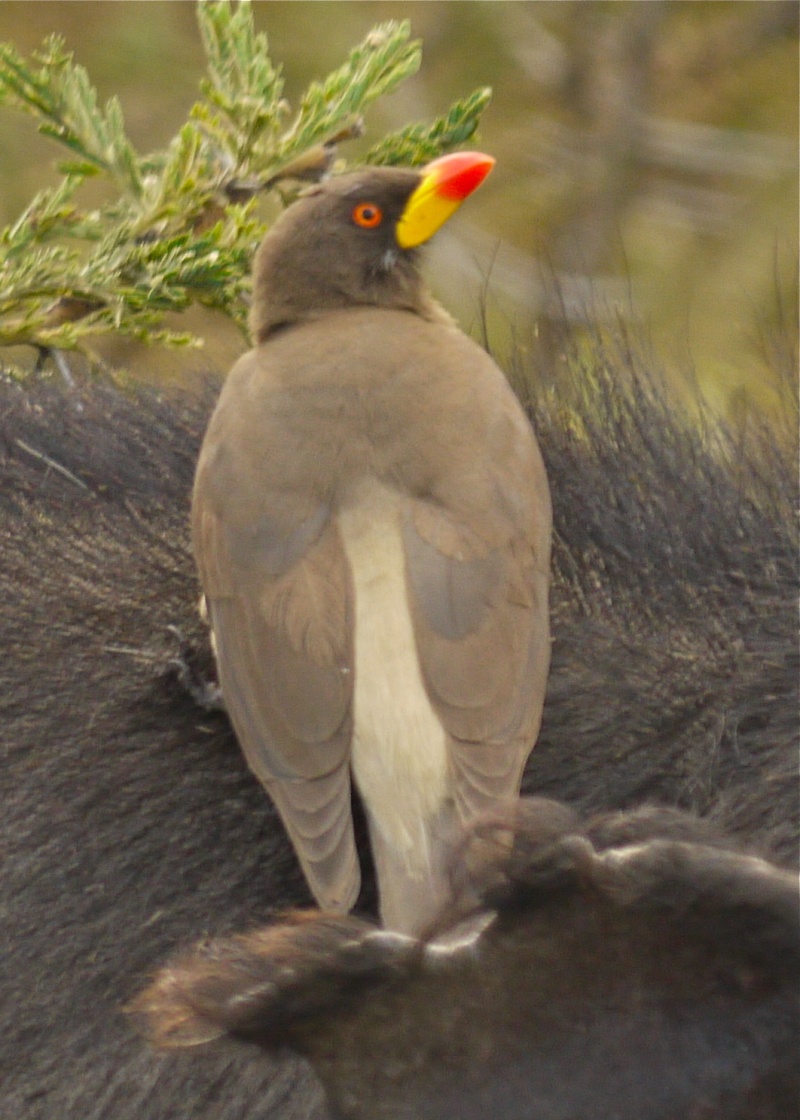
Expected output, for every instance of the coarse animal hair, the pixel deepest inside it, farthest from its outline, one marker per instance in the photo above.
(635, 966)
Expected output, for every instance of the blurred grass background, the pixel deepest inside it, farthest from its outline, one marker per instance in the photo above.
(647, 161)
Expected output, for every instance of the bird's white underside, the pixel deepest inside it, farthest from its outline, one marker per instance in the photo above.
(399, 751)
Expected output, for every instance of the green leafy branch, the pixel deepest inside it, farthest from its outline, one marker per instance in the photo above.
(61, 94)
(418, 143)
(180, 225)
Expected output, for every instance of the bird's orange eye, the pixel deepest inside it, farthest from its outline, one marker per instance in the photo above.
(367, 215)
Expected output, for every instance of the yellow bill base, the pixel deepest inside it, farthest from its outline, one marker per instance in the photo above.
(445, 184)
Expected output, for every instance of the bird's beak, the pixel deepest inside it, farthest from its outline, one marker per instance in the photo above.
(445, 184)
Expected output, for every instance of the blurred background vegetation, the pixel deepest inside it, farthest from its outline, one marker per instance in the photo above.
(647, 163)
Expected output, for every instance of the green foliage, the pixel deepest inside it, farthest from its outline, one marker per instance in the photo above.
(61, 95)
(418, 143)
(180, 226)
(375, 67)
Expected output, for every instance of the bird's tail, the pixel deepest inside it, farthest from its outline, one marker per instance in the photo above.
(414, 890)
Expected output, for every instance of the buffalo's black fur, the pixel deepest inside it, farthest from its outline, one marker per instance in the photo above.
(128, 822)
(675, 659)
(633, 967)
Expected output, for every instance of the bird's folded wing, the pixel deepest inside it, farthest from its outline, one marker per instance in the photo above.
(280, 607)
(479, 605)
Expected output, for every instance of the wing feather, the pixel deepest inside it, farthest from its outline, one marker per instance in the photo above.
(478, 587)
(284, 653)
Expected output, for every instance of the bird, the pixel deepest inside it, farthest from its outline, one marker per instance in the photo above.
(371, 523)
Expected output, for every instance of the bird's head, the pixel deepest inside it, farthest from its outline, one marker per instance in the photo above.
(353, 241)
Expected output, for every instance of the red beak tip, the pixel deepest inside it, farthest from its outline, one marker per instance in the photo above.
(460, 173)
